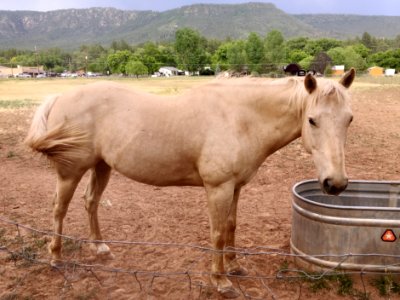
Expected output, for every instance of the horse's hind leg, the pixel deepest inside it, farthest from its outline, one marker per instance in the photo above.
(99, 177)
(66, 185)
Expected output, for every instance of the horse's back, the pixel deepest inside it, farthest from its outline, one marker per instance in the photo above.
(92, 99)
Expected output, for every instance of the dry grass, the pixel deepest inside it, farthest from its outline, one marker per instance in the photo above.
(27, 90)
(365, 82)
(36, 90)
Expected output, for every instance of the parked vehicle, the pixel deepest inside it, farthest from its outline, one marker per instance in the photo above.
(69, 75)
(23, 75)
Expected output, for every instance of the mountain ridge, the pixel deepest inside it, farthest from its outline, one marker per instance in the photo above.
(70, 28)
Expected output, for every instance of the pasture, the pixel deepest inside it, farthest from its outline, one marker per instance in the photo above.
(166, 230)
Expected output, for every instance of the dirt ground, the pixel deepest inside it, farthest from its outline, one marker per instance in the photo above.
(175, 218)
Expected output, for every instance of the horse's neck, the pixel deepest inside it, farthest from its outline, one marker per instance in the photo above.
(281, 118)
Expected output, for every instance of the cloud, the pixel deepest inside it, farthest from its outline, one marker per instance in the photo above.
(46, 5)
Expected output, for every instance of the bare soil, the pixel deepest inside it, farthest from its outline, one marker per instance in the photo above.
(134, 212)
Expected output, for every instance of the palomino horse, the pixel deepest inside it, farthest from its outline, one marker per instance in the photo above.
(215, 136)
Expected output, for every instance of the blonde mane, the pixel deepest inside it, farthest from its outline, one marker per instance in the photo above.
(299, 97)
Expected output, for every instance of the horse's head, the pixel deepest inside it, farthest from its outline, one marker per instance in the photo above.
(326, 119)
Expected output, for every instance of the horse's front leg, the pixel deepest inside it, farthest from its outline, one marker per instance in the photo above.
(231, 264)
(219, 205)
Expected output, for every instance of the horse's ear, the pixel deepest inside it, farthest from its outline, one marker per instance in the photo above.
(310, 83)
(348, 78)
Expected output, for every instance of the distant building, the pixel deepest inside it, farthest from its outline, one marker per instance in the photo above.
(390, 72)
(169, 71)
(376, 71)
(5, 72)
(338, 70)
(19, 70)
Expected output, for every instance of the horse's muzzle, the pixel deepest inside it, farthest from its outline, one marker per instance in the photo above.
(333, 187)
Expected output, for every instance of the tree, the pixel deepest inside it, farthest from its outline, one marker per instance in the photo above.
(396, 42)
(137, 68)
(24, 60)
(220, 57)
(348, 57)
(387, 59)
(150, 56)
(93, 51)
(254, 51)
(363, 51)
(337, 55)
(274, 49)
(313, 47)
(236, 56)
(306, 63)
(212, 45)
(326, 44)
(99, 65)
(367, 41)
(190, 49)
(381, 45)
(51, 58)
(320, 62)
(296, 43)
(117, 61)
(295, 52)
(120, 45)
(296, 56)
(167, 55)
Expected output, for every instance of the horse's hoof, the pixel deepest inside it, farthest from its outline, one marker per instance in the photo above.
(224, 287)
(105, 255)
(228, 292)
(103, 249)
(104, 252)
(238, 271)
(56, 263)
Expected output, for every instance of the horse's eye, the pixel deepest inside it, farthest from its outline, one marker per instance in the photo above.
(312, 122)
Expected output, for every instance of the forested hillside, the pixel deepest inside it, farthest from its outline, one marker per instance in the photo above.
(68, 29)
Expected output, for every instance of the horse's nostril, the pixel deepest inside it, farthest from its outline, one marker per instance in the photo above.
(327, 184)
(333, 189)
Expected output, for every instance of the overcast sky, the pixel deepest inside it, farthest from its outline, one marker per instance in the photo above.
(361, 7)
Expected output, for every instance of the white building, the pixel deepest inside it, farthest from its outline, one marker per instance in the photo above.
(169, 71)
(19, 70)
(390, 72)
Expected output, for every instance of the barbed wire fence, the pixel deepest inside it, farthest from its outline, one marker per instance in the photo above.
(144, 279)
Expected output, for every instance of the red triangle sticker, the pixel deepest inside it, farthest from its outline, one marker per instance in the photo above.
(388, 236)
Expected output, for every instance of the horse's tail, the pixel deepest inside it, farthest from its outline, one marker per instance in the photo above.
(62, 144)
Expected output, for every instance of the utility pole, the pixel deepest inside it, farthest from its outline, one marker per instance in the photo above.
(37, 62)
(69, 64)
(86, 65)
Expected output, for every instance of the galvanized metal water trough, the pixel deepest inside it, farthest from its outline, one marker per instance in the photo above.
(358, 230)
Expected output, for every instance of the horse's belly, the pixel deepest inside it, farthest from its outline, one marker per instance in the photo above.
(160, 174)
(152, 157)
